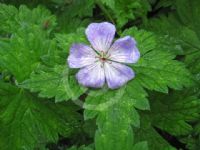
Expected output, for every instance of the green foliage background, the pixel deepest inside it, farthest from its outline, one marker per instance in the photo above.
(158, 110)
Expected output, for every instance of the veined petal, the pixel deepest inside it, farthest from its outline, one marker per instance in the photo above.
(92, 75)
(81, 55)
(100, 35)
(117, 74)
(124, 50)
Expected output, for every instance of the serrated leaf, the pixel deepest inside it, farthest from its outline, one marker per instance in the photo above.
(125, 10)
(137, 95)
(70, 25)
(104, 98)
(114, 123)
(55, 82)
(110, 3)
(191, 34)
(179, 25)
(156, 69)
(27, 122)
(23, 17)
(75, 15)
(172, 112)
(164, 3)
(21, 54)
(115, 115)
(66, 40)
(7, 15)
(76, 8)
(147, 133)
(192, 143)
(56, 73)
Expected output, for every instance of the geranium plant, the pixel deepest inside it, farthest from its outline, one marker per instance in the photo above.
(100, 75)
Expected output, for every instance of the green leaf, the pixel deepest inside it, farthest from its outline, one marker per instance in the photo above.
(141, 146)
(164, 3)
(33, 44)
(110, 3)
(104, 98)
(192, 140)
(7, 15)
(70, 25)
(146, 132)
(54, 82)
(157, 69)
(66, 40)
(21, 54)
(137, 95)
(116, 114)
(191, 34)
(13, 19)
(115, 132)
(183, 26)
(27, 122)
(192, 143)
(170, 113)
(56, 73)
(125, 10)
(188, 13)
(173, 112)
(75, 15)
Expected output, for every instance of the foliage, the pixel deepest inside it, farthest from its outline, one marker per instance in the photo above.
(29, 122)
(42, 106)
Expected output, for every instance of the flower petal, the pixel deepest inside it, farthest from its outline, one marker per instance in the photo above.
(100, 35)
(91, 76)
(81, 55)
(124, 50)
(117, 74)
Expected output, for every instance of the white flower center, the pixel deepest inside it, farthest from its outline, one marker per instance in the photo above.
(103, 57)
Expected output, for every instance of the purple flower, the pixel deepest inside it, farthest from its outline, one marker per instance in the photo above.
(104, 61)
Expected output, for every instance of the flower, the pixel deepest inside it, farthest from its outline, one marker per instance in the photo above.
(103, 61)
